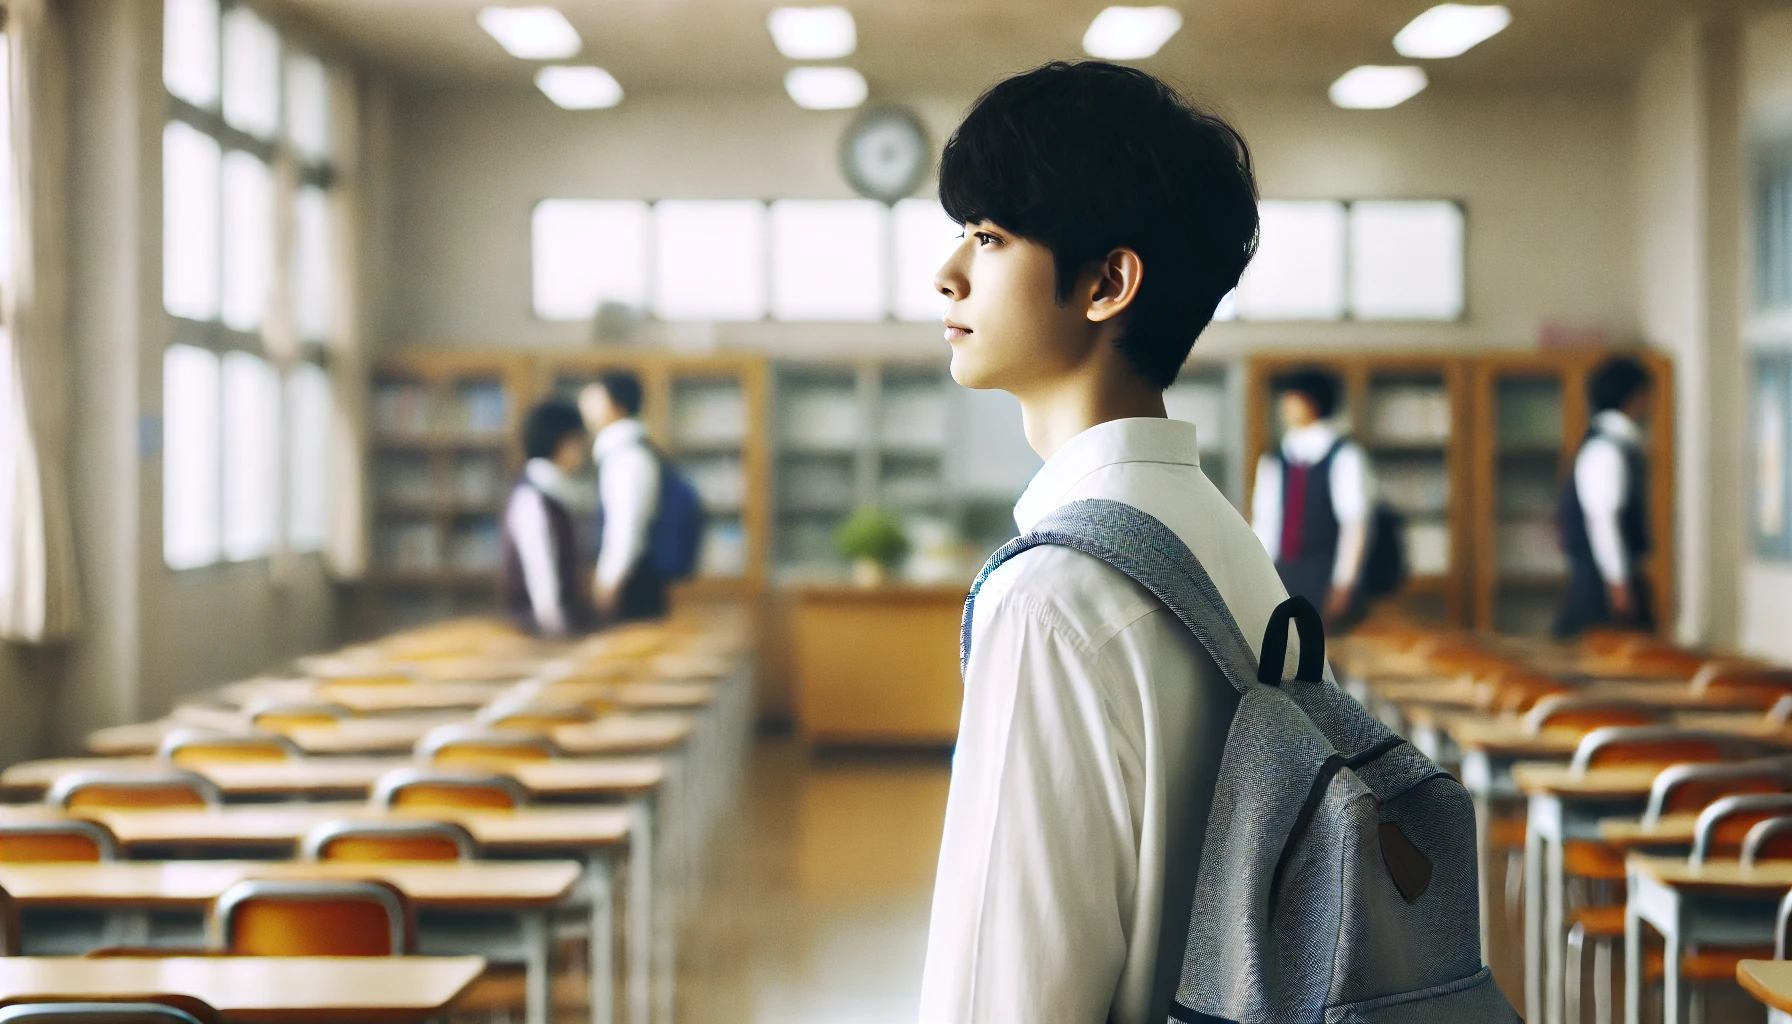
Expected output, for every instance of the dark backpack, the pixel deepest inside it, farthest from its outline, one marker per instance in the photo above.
(675, 538)
(1384, 556)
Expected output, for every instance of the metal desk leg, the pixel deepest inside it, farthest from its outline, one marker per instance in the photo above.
(1533, 925)
(1633, 962)
(640, 913)
(538, 993)
(1552, 929)
(603, 932)
(1670, 972)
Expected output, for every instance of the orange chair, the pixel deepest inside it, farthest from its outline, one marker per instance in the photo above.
(66, 841)
(350, 839)
(281, 716)
(481, 746)
(1770, 839)
(1584, 714)
(1724, 827)
(134, 791)
(193, 747)
(1742, 685)
(1662, 745)
(531, 717)
(312, 917)
(423, 789)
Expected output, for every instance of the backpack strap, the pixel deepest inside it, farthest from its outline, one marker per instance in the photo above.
(1275, 643)
(1150, 554)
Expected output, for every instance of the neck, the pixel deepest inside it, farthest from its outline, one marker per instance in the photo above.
(1056, 412)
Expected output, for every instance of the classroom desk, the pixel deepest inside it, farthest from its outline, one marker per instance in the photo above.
(1719, 903)
(523, 891)
(610, 735)
(1770, 981)
(258, 989)
(594, 834)
(1563, 805)
(369, 700)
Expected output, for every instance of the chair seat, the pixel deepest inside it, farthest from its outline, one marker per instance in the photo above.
(1591, 859)
(1507, 832)
(1711, 964)
(1601, 922)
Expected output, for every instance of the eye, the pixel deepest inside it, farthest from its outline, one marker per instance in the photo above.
(985, 238)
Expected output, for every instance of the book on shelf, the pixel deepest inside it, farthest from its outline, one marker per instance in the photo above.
(712, 413)
(1413, 487)
(476, 547)
(1427, 548)
(913, 416)
(721, 482)
(481, 407)
(1529, 547)
(724, 552)
(1530, 413)
(413, 546)
(405, 480)
(1409, 413)
(810, 482)
(478, 480)
(821, 417)
(401, 407)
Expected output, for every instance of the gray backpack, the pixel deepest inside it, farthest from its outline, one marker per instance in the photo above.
(1337, 875)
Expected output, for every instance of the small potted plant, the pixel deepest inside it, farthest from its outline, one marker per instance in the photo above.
(873, 541)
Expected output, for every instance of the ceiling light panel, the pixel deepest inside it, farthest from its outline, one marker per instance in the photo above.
(1450, 30)
(1374, 87)
(813, 33)
(579, 88)
(1130, 33)
(531, 33)
(825, 88)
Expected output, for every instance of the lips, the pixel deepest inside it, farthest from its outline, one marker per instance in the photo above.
(956, 331)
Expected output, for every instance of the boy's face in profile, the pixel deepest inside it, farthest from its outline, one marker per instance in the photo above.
(1005, 324)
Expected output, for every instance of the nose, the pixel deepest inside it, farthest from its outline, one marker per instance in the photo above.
(950, 279)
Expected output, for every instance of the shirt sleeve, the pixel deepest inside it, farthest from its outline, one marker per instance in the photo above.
(629, 485)
(1266, 505)
(1038, 866)
(1353, 494)
(527, 521)
(1599, 482)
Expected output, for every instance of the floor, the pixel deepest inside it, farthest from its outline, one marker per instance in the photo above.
(816, 907)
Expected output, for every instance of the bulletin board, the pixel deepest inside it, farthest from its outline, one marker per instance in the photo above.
(1768, 448)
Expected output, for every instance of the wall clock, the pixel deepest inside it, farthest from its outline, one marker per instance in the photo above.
(885, 154)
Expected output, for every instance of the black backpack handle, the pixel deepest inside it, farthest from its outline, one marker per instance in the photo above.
(1275, 643)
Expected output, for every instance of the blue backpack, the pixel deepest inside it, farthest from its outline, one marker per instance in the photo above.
(675, 539)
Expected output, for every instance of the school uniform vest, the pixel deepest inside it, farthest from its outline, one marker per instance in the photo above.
(569, 569)
(1309, 547)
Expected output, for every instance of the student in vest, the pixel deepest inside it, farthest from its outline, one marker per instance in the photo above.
(542, 580)
(627, 585)
(1604, 514)
(1104, 217)
(1312, 500)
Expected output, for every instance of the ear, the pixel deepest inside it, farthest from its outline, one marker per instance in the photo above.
(1116, 285)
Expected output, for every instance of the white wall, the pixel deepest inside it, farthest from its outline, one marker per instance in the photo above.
(1544, 177)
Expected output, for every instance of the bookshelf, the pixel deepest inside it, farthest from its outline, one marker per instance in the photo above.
(444, 444)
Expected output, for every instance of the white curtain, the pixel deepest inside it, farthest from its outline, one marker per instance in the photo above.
(346, 549)
(38, 599)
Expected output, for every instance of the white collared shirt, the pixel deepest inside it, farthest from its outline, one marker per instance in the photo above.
(1091, 718)
(1601, 478)
(1352, 489)
(526, 520)
(628, 482)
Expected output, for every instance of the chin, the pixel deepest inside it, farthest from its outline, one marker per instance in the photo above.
(967, 372)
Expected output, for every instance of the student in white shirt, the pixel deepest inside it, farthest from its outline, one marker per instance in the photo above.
(1104, 219)
(1604, 513)
(626, 584)
(542, 575)
(1311, 503)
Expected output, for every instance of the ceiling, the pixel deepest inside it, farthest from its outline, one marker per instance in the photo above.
(961, 46)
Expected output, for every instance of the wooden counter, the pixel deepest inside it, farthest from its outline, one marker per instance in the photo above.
(877, 665)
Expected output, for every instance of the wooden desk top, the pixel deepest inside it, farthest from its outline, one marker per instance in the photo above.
(1769, 878)
(280, 827)
(1506, 737)
(1770, 981)
(1670, 830)
(489, 885)
(639, 696)
(570, 777)
(370, 700)
(258, 989)
(626, 734)
(1459, 692)
(1537, 779)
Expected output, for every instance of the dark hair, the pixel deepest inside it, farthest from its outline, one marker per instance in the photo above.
(1088, 157)
(624, 389)
(1615, 382)
(549, 424)
(1317, 386)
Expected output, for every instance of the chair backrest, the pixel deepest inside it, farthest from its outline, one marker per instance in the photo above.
(99, 1011)
(1741, 684)
(1693, 787)
(281, 715)
(66, 840)
(423, 788)
(312, 917)
(1567, 711)
(350, 839)
(1653, 745)
(1770, 839)
(479, 745)
(1723, 826)
(536, 717)
(1782, 942)
(192, 747)
(120, 790)
(1517, 690)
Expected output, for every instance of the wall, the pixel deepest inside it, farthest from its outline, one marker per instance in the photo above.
(1536, 171)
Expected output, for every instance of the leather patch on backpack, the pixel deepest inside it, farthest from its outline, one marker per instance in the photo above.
(1409, 868)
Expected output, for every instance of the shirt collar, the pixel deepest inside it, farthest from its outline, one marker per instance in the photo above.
(617, 436)
(551, 480)
(1614, 424)
(1309, 444)
(1143, 439)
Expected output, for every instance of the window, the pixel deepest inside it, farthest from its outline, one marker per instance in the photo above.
(709, 260)
(1773, 228)
(1298, 273)
(244, 437)
(925, 238)
(829, 260)
(588, 252)
(1405, 261)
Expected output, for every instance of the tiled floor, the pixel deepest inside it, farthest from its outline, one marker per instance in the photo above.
(816, 909)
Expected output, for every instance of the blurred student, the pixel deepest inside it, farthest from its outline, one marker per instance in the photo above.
(543, 577)
(1313, 498)
(1104, 218)
(628, 585)
(1604, 511)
